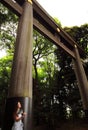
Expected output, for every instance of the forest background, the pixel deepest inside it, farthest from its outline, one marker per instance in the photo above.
(56, 97)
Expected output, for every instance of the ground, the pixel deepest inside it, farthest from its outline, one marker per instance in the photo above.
(70, 125)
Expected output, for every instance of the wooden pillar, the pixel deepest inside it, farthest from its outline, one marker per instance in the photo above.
(21, 78)
(82, 79)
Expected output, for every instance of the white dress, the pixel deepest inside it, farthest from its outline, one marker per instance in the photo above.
(18, 125)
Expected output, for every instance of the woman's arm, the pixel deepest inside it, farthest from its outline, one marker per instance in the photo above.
(17, 118)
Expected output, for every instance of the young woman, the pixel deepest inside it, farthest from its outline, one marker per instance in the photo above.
(18, 115)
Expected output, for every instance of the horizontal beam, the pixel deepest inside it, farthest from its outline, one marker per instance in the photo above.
(49, 22)
(72, 42)
(14, 6)
(44, 19)
(53, 38)
(18, 10)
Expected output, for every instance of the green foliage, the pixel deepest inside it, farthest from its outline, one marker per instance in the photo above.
(42, 48)
(55, 92)
(57, 21)
(43, 62)
(80, 35)
(5, 72)
(6, 15)
(8, 27)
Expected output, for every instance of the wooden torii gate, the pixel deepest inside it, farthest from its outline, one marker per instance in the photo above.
(32, 15)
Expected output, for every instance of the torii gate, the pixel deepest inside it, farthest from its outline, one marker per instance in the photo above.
(31, 14)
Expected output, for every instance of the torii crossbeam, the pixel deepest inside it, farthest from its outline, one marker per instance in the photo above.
(32, 15)
(44, 23)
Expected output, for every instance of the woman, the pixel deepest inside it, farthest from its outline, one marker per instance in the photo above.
(18, 115)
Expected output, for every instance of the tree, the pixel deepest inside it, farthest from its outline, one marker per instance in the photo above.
(68, 93)
(42, 48)
(57, 22)
(80, 35)
(43, 62)
(5, 71)
(55, 87)
(8, 27)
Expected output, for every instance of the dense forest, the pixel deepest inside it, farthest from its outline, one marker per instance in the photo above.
(56, 97)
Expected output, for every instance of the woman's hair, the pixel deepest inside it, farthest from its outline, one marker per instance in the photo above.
(15, 106)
